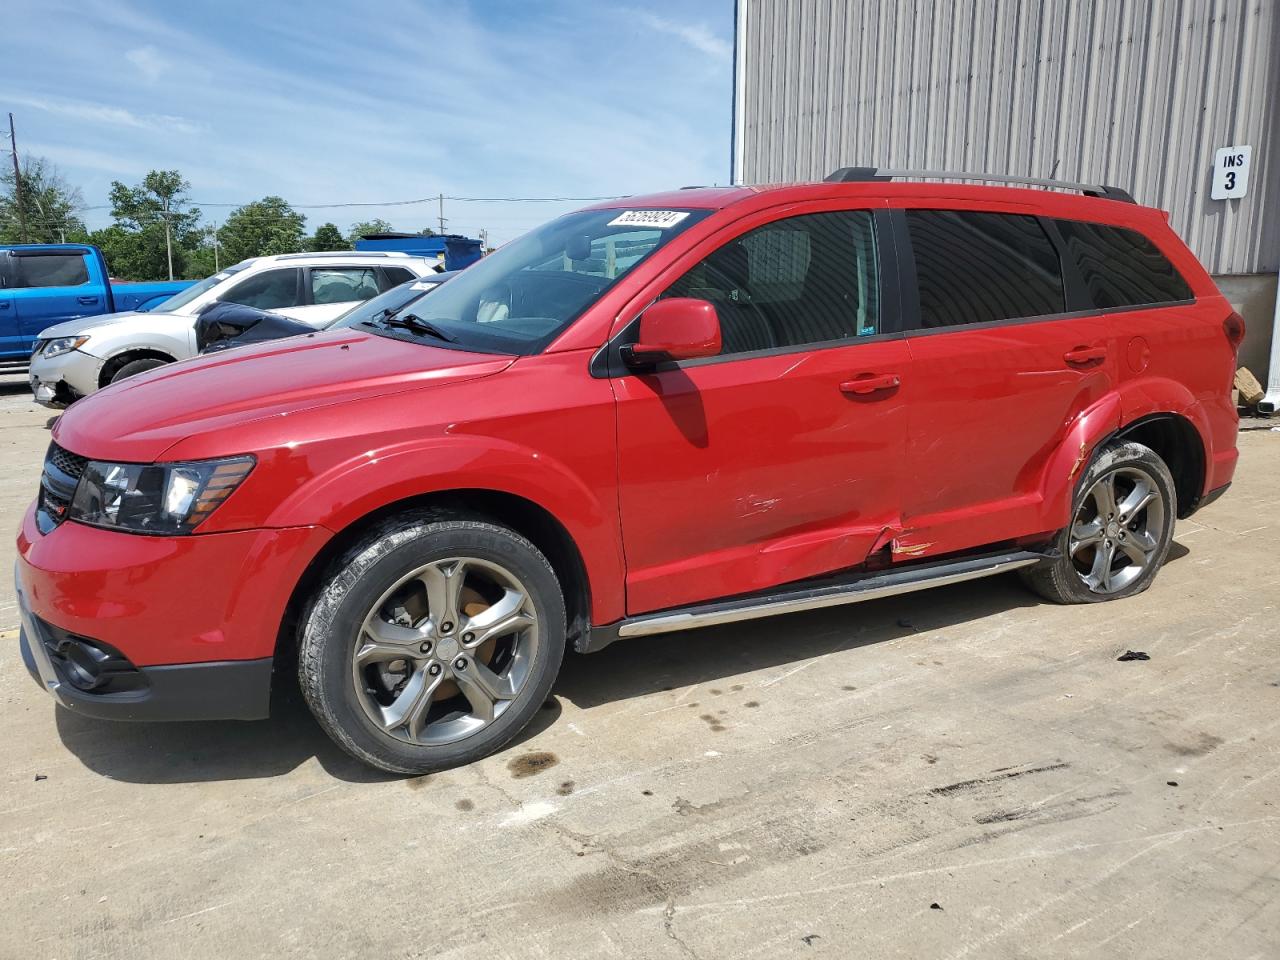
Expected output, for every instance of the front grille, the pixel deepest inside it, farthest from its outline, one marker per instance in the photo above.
(72, 464)
(62, 472)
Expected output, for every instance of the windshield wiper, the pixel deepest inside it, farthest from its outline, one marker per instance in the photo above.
(411, 321)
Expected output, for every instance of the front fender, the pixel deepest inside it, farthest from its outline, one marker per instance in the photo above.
(354, 488)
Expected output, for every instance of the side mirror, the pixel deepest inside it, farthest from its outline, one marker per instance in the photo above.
(677, 329)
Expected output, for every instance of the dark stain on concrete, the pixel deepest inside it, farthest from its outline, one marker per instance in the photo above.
(532, 764)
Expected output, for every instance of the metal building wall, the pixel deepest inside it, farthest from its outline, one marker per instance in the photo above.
(1136, 93)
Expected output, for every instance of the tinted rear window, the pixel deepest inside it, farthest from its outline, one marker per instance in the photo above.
(52, 270)
(983, 267)
(1121, 268)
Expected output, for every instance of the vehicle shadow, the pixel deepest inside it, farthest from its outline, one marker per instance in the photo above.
(160, 753)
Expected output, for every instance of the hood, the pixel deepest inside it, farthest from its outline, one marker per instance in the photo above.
(139, 418)
(73, 327)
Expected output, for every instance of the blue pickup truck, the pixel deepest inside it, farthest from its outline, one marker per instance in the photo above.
(44, 284)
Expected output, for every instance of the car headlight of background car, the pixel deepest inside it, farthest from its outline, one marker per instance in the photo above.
(55, 348)
(160, 498)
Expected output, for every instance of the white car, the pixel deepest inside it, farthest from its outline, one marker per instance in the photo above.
(76, 358)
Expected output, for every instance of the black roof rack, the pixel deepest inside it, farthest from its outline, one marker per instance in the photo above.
(866, 174)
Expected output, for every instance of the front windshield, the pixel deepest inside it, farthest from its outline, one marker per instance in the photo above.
(397, 298)
(520, 298)
(182, 298)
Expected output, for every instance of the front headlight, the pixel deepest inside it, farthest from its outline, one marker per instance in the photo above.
(161, 498)
(56, 348)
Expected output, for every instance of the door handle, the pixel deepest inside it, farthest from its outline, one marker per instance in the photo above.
(4, 304)
(1082, 355)
(87, 301)
(866, 383)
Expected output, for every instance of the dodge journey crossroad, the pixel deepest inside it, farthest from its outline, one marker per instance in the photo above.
(656, 414)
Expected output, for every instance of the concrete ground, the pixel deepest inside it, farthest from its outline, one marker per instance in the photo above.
(966, 772)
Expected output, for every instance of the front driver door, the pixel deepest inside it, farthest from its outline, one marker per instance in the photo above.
(781, 458)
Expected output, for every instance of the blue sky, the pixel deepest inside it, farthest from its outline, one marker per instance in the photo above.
(330, 102)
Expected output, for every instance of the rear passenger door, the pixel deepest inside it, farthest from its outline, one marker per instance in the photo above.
(781, 458)
(1001, 367)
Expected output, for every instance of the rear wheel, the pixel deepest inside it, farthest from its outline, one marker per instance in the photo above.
(1120, 532)
(432, 643)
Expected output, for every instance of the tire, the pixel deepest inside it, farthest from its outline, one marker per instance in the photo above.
(134, 367)
(1081, 573)
(372, 691)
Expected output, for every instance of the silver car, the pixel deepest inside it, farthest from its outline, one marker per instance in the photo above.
(74, 359)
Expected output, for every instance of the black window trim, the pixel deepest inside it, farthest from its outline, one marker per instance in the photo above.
(607, 363)
(1078, 301)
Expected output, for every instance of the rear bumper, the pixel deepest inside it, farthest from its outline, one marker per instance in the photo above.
(228, 690)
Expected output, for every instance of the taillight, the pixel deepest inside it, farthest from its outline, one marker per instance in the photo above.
(1233, 327)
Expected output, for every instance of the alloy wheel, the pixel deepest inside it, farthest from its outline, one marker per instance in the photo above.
(1117, 530)
(445, 651)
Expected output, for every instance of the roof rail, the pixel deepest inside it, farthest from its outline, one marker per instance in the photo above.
(360, 254)
(865, 174)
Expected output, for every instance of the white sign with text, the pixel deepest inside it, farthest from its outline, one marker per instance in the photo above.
(1231, 172)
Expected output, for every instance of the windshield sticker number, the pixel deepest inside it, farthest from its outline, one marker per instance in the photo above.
(662, 219)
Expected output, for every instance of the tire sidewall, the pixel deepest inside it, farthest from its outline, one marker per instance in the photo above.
(1112, 457)
(331, 630)
(141, 365)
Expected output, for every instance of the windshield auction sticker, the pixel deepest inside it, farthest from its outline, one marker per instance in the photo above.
(662, 219)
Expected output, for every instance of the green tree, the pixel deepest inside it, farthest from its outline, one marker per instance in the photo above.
(328, 237)
(49, 203)
(376, 225)
(261, 228)
(163, 233)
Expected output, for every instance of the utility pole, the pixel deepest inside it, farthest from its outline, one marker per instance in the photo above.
(216, 269)
(17, 183)
(168, 241)
(442, 214)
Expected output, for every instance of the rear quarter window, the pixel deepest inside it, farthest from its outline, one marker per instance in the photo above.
(1121, 267)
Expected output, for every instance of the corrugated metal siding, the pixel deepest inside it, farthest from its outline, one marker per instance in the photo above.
(1135, 93)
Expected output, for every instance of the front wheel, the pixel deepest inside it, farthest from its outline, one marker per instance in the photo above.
(135, 367)
(1120, 531)
(432, 643)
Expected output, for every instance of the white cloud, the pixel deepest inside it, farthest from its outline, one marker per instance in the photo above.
(101, 113)
(149, 62)
(694, 34)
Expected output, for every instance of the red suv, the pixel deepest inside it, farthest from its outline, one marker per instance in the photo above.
(659, 413)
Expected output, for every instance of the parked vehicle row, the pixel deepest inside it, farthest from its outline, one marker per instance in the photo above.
(655, 414)
(42, 285)
(74, 359)
(226, 325)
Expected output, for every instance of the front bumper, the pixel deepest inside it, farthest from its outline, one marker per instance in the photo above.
(226, 690)
(57, 381)
(192, 621)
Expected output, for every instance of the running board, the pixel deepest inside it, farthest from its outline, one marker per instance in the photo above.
(871, 586)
